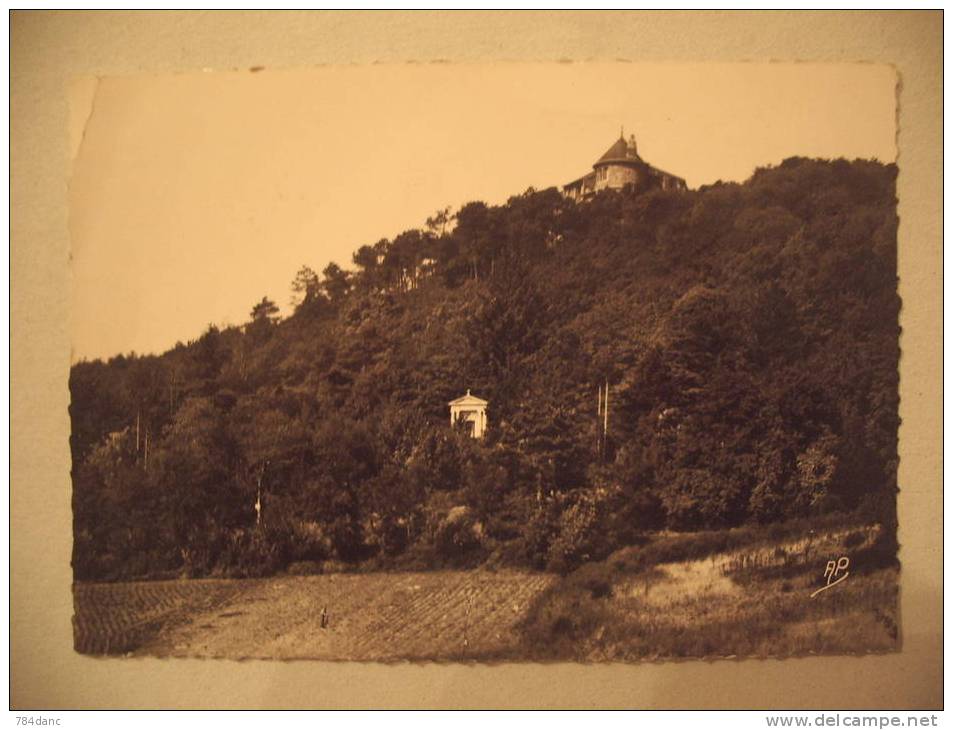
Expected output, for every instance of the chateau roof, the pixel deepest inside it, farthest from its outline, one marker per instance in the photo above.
(620, 151)
(588, 178)
(665, 172)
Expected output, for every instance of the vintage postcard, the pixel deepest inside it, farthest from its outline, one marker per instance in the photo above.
(585, 362)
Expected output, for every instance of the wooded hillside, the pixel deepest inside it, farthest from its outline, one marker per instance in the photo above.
(747, 333)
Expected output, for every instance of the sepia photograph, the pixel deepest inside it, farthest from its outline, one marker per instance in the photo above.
(590, 362)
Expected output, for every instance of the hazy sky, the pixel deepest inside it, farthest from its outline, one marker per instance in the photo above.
(194, 195)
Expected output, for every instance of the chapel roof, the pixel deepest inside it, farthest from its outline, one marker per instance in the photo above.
(468, 400)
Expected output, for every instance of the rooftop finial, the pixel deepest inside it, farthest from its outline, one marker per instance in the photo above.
(468, 391)
(622, 132)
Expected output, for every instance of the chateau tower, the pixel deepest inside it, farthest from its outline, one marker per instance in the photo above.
(621, 167)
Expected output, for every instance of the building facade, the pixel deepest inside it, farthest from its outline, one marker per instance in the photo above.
(471, 411)
(622, 167)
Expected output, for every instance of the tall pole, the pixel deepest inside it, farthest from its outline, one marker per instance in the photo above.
(599, 421)
(605, 423)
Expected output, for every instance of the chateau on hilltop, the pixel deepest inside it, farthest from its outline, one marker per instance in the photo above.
(619, 167)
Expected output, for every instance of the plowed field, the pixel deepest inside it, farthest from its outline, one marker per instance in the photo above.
(371, 617)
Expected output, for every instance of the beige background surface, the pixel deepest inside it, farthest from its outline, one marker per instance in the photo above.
(48, 50)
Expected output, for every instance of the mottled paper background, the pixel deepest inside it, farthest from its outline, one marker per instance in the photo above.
(50, 50)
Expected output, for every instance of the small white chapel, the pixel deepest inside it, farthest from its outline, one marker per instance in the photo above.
(472, 411)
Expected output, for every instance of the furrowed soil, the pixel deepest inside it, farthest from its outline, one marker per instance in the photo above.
(733, 593)
(445, 615)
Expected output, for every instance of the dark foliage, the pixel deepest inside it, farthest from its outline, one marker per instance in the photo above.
(747, 334)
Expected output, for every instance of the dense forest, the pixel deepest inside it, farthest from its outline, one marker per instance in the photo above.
(746, 334)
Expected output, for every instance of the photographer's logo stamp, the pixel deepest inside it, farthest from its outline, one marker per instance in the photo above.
(835, 572)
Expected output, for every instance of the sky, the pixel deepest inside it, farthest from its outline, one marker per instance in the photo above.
(194, 195)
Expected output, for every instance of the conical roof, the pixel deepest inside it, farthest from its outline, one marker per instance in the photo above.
(619, 151)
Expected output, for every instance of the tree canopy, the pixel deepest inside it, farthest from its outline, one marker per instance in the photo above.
(664, 359)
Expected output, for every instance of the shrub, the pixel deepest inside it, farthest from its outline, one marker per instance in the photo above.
(308, 542)
(347, 538)
(854, 539)
(582, 532)
(304, 567)
(333, 566)
(599, 588)
(698, 498)
(540, 532)
(251, 553)
(457, 540)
